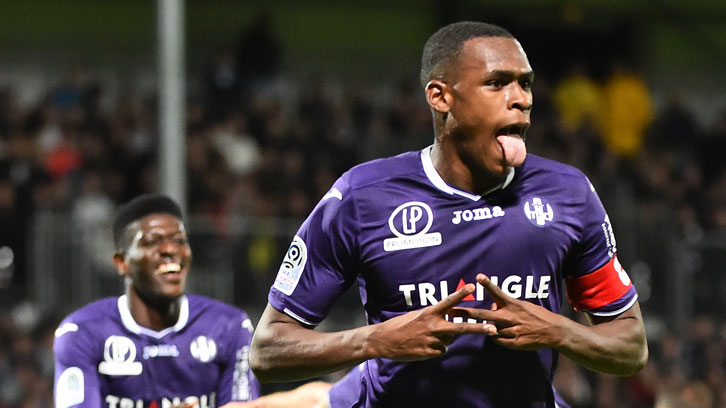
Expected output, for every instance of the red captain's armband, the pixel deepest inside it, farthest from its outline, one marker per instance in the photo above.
(598, 288)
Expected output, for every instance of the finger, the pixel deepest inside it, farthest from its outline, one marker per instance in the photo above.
(496, 293)
(445, 338)
(469, 328)
(186, 404)
(250, 404)
(441, 348)
(512, 343)
(453, 299)
(487, 318)
(506, 333)
(475, 313)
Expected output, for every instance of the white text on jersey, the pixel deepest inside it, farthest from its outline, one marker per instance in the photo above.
(512, 286)
(202, 401)
(477, 214)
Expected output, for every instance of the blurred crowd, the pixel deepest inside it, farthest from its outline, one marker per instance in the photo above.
(264, 143)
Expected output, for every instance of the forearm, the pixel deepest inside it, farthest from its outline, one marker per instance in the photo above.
(617, 346)
(284, 351)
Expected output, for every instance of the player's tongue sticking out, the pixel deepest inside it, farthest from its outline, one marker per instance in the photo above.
(513, 147)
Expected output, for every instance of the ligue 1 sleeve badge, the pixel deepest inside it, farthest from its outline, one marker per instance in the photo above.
(292, 266)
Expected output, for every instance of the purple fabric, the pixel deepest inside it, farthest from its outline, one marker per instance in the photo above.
(409, 240)
(204, 356)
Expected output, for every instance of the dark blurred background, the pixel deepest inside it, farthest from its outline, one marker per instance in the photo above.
(283, 96)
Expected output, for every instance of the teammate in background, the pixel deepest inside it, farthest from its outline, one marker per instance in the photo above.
(463, 252)
(154, 346)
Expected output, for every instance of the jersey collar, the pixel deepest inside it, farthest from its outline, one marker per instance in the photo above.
(439, 183)
(128, 320)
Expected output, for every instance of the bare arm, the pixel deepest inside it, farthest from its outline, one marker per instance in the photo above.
(284, 350)
(615, 345)
(611, 345)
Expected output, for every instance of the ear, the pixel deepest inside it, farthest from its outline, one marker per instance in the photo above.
(437, 96)
(119, 262)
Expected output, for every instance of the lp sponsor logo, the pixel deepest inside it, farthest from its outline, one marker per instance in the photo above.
(119, 356)
(410, 223)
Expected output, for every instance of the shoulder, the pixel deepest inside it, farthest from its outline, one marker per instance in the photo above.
(229, 322)
(205, 307)
(93, 314)
(538, 164)
(383, 170)
(545, 171)
(362, 183)
(81, 328)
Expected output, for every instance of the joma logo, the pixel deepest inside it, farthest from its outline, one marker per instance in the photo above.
(477, 214)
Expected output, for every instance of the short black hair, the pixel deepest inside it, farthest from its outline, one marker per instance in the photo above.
(444, 46)
(138, 208)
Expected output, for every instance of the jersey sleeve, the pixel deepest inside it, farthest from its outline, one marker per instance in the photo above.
(319, 266)
(237, 382)
(76, 375)
(596, 281)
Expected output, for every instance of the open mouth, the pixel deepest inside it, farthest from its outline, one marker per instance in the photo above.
(511, 140)
(518, 130)
(168, 268)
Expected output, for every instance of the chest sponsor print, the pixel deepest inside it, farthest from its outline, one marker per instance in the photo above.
(410, 223)
(119, 355)
(202, 401)
(430, 293)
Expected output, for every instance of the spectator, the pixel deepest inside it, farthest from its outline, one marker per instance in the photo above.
(627, 112)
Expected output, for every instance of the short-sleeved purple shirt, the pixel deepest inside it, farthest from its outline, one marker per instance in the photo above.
(103, 358)
(409, 240)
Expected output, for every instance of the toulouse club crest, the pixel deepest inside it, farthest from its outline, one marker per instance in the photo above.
(539, 212)
(203, 349)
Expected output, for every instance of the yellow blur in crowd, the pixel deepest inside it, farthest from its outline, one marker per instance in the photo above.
(621, 109)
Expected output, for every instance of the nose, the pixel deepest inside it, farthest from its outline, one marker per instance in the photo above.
(519, 97)
(168, 248)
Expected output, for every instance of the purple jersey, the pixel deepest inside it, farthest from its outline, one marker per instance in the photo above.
(345, 393)
(409, 240)
(103, 358)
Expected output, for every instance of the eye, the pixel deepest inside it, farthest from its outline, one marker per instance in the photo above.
(496, 83)
(180, 241)
(150, 241)
(526, 84)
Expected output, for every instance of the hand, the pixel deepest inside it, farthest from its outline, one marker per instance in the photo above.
(258, 403)
(519, 324)
(424, 333)
(189, 404)
(309, 395)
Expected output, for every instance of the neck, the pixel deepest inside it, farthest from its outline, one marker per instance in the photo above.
(153, 312)
(465, 175)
